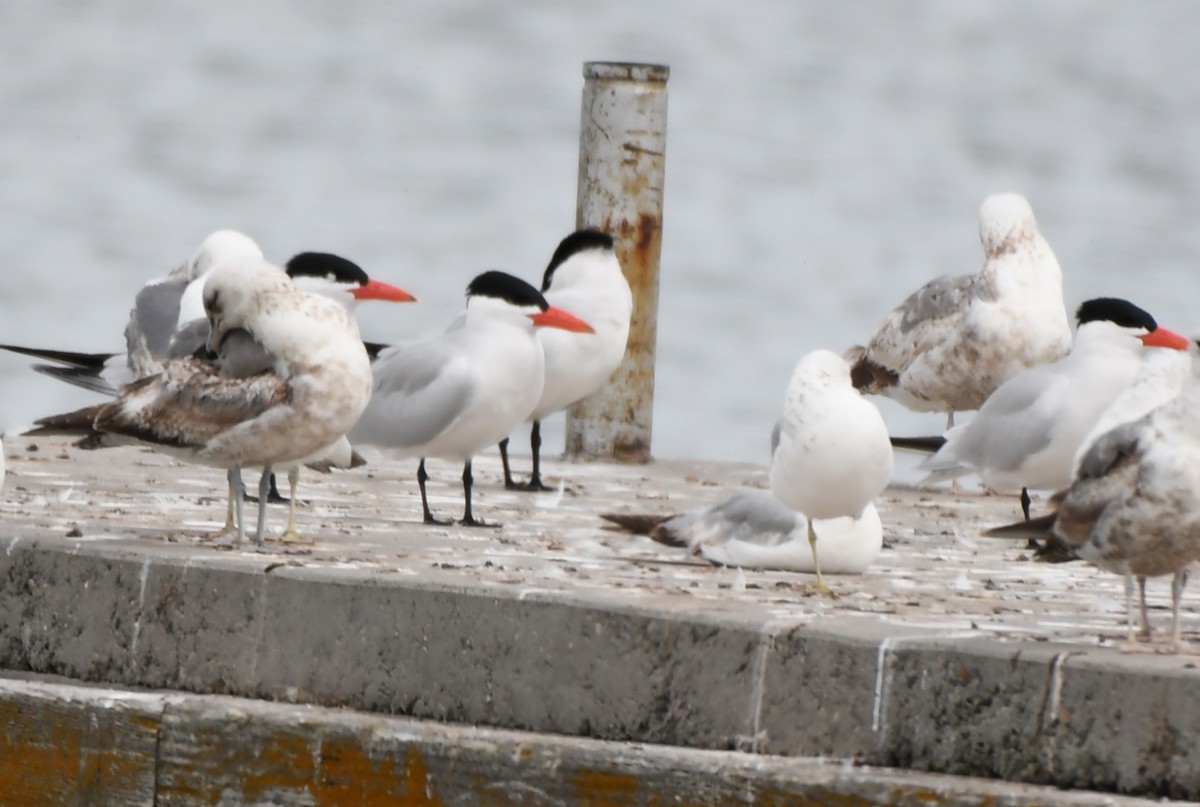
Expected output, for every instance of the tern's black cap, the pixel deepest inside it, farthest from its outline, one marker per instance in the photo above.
(573, 244)
(325, 264)
(504, 286)
(1115, 310)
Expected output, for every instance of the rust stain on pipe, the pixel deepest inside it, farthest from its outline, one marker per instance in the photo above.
(621, 176)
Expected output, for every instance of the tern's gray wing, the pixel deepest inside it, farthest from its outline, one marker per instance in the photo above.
(419, 390)
(154, 317)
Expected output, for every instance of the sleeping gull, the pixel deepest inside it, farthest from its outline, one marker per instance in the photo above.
(317, 386)
(833, 456)
(754, 530)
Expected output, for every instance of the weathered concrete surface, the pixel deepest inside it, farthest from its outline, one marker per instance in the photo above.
(66, 744)
(953, 654)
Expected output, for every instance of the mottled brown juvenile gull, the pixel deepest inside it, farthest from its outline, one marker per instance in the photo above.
(318, 384)
(1134, 507)
(957, 338)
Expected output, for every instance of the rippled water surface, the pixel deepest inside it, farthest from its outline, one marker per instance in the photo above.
(823, 160)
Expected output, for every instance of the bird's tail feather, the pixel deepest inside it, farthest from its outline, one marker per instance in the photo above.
(637, 523)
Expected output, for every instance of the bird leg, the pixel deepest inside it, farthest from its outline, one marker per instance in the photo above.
(509, 484)
(290, 533)
(428, 514)
(274, 496)
(264, 484)
(469, 520)
(1177, 582)
(230, 524)
(1145, 633)
(812, 543)
(535, 445)
(1025, 502)
(237, 490)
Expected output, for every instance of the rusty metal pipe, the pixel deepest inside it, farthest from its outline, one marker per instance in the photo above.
(622, 159)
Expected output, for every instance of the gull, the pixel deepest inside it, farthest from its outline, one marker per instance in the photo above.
(318, 383)
(833, 456)
(167, 320)
(1134, 506)
(453, 394)
(957, 338)
(161, 307)
(585, 278)
(754, 530)
(1028, 432)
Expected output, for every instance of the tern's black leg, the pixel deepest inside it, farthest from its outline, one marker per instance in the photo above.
(535, 444)
(509, 484)
(469, 520)
(428, 514)
(1025, 502)
(273, 495)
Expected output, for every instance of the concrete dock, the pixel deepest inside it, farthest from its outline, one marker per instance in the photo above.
(553, 651)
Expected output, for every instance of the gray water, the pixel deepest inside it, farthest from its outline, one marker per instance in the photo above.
(823, 160)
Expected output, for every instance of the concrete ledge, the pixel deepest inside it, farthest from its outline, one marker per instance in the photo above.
(68, 744)
(955, 656)
(848, 688)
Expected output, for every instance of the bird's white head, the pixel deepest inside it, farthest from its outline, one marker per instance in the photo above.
(340, 280)
(500, 295)
(1006, 223)
(581, 253)
(218, 247)
(821, 368)
(1112, 318)
(240, 291)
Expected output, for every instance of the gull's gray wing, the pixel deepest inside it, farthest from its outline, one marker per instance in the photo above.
(188, 339)
(154, 317)
(754, 516)
(940, 298)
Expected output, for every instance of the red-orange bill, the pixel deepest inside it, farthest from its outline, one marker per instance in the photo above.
(378, 290)
(557, 318)
(1161, 337)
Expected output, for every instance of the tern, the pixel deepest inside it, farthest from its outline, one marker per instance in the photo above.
(453, 394)
(1028, 432)
(584, 277)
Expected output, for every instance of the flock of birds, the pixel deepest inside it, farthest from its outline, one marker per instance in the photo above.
(232, 362)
